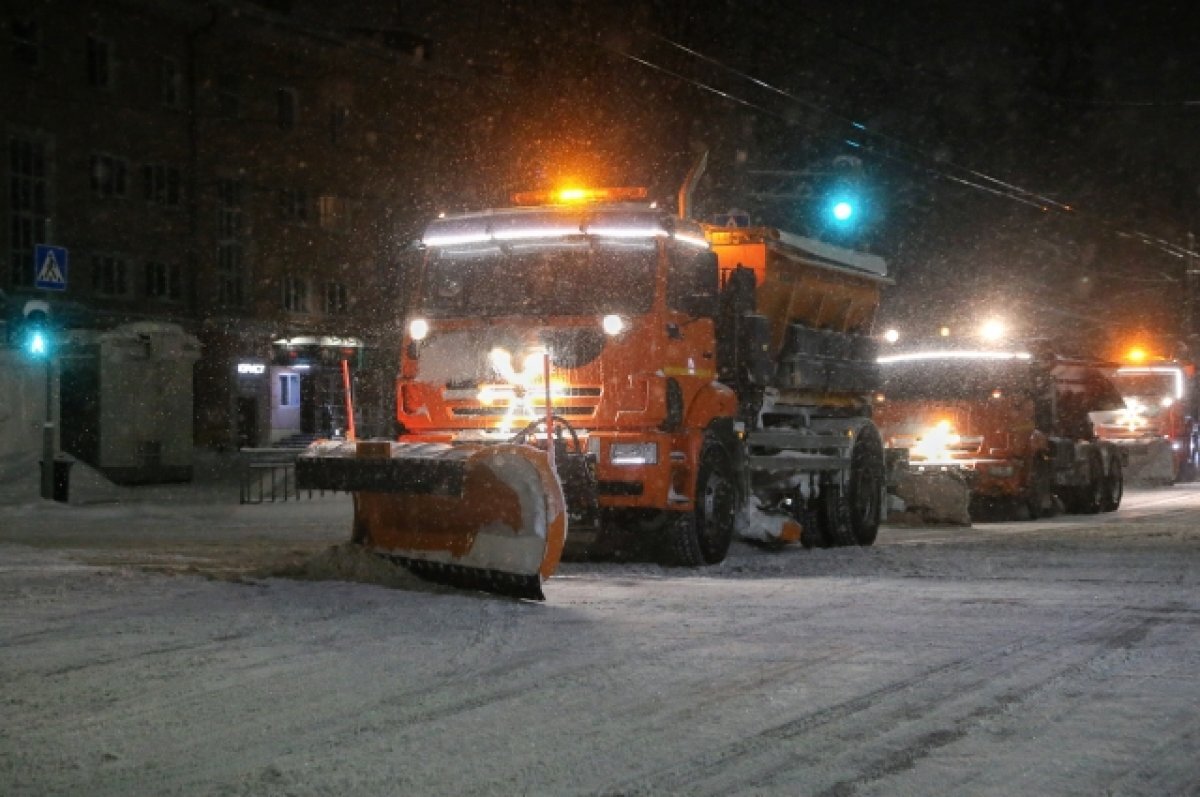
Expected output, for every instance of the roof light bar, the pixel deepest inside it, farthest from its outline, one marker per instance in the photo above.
(917, 356)
(1175, 371)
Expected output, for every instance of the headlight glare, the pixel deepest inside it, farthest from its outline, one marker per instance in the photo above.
(633, 454)
(418, 329)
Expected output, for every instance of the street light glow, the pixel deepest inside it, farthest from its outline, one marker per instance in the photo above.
(993, 330)
(843, 210)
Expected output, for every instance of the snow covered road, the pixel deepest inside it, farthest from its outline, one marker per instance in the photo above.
(141, 652)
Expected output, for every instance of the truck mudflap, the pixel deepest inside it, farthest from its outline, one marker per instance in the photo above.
(474, 515)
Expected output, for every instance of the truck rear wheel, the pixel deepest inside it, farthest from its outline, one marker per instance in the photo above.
(1090, 497)
(702, 536)
(834, 516)
(1039, 491)
(1114, 485)
(866, 486)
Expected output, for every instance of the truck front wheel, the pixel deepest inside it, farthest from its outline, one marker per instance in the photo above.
(703, 536)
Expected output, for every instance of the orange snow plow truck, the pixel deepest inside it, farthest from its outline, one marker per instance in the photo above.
(1157, 427)
(586, 362)
(1014, 425)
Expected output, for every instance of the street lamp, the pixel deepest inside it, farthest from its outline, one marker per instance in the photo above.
(993, 330)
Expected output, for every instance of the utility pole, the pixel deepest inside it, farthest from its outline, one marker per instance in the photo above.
(1191, 287)
(47, 480)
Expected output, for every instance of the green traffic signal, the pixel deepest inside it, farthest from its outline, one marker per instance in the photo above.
(35, 344)
(36, 338)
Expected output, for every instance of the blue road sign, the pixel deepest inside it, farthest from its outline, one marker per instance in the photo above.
(50, 267)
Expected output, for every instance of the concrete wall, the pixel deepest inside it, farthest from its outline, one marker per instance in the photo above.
(22, 413)
(146, 402)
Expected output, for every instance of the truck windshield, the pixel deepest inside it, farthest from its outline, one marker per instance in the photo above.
(560, 278)
(956, 380)
(1146, 385)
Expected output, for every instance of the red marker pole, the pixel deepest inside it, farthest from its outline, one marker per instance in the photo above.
(549, 410)
(349, 400)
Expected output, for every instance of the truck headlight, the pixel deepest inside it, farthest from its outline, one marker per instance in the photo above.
(418, 328)
(633, 454)
(613, 324)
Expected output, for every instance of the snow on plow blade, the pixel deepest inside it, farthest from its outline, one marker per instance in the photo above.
(1148, 462)
(473, 515)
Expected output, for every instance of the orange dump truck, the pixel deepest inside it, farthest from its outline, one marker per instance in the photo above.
(1015, 425)
(583, 364)
(1157, 427)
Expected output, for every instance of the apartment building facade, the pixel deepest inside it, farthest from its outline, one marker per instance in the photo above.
(229, 172)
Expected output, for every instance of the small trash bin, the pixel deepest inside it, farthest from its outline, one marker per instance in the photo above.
(62, 478)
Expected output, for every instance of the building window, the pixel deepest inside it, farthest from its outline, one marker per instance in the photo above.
(109, 276)
(229, 97)
(230, 275)
(162, 281)
(160, 184)
(293, 204)
(108, 176)
(170, 83)
(230, 291)
(285, 104)
(333, 212)
(289, 390)
(29, 208)
(99, 62)
(27, 42)
(295, 294)
(229, 218)
(339, 118)
(335, 298)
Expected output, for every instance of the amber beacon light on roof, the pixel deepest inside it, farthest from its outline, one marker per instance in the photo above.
(579, 196)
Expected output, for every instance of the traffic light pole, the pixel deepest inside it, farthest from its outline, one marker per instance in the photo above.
(48, 434)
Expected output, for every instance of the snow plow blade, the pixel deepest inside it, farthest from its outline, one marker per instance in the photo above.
(472, 515)
(1148, 462)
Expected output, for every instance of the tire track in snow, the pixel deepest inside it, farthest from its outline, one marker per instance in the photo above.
(764, 753)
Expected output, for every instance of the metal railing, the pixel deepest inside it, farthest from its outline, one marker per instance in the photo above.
(269, 475)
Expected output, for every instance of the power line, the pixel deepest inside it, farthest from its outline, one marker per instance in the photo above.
(995, 185)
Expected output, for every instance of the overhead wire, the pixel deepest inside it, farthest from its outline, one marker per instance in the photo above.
(934, 165)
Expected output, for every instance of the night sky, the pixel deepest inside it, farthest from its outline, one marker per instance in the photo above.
(1032, 159)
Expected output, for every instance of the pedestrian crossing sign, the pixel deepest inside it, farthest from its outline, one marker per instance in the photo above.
(50, 267)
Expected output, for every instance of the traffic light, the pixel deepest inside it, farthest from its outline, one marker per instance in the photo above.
(843, 204)
(842, 209)
(36, 338)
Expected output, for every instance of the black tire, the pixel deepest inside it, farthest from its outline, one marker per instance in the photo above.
(1039, 491)
(1090, 497)
(1114, 485)
(812, 534)
(865, 494)
(834, 518)
(702, 536)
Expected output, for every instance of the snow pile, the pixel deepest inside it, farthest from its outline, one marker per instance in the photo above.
(756, 525)
(349, 562)
(933, 497)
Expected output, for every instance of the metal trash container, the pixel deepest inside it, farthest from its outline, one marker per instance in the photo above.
(62, 477)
